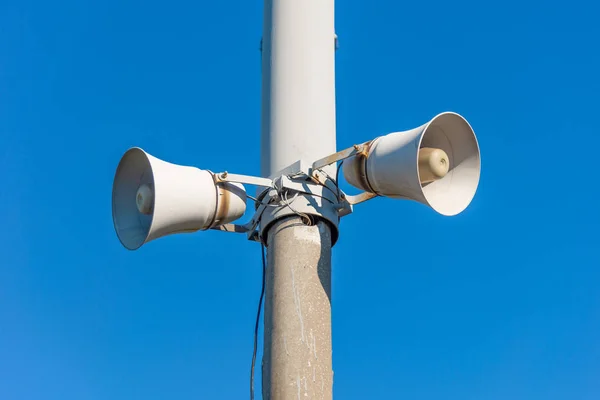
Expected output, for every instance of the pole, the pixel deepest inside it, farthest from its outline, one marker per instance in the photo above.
(298, 123)
(297, 354)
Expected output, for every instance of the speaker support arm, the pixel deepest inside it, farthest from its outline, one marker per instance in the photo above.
(360, 150)
(355, 150)
(247, 179)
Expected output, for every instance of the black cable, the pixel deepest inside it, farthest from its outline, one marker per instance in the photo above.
(262, 290)
(337, 177)
(254, 199)
(262, 294)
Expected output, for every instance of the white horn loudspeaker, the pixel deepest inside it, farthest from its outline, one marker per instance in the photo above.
(152, 198)
(437, 164)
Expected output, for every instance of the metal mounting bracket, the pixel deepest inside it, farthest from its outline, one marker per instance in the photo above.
(329, 201)
(247, 179)
(341, 155)
(317, 174)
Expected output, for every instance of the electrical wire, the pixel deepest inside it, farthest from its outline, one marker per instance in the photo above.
(254, 199)
(262, 294)
(337, 192)
(307, 220)
(337, 177)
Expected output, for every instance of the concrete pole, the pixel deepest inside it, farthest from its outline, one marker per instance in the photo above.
(298, 123)
(297, 353)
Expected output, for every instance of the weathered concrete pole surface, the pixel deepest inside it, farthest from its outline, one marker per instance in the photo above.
(297, 361)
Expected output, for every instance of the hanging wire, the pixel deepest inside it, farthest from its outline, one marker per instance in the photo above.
(307, 220)
(262, 294)
(337, 182)
(254, 199)
(338, 191)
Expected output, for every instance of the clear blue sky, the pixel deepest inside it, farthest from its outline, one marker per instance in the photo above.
(506, 306)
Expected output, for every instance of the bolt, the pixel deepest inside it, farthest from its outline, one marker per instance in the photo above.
(224, 175)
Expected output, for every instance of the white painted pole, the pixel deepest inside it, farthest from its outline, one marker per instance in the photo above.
(298, 123)
(298, 90)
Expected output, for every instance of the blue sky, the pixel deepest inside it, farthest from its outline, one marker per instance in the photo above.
(506, 306)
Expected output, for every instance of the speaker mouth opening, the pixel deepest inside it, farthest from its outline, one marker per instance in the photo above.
(131, 225)
(452, 193)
